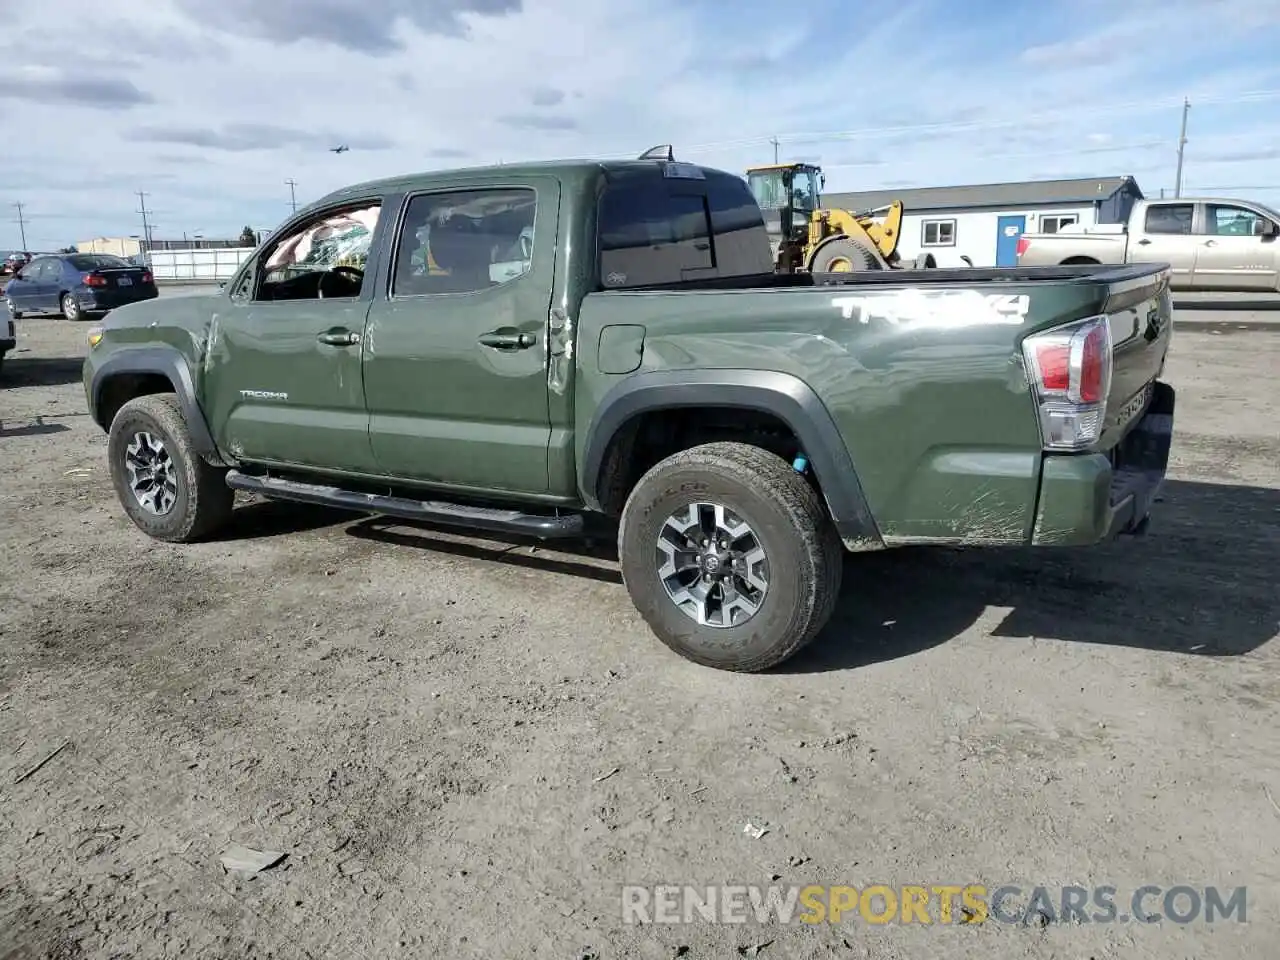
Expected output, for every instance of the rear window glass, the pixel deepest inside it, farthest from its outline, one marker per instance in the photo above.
(1170, 218)
(650, 234)
(654, 230)
(97, 261)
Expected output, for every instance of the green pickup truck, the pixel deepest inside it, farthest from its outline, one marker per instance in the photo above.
(519, 348)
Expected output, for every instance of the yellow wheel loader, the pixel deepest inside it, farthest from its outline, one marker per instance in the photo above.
(808, 237)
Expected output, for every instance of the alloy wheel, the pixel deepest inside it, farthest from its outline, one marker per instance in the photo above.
(153, 476)
(712, 565)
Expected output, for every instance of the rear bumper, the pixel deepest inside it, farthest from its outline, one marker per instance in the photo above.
(94, 301)
(1089, 498)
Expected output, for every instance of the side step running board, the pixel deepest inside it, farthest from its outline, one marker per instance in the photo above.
(545, 526)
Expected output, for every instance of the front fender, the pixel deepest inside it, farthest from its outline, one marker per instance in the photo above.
(163, 361)
(781, 394)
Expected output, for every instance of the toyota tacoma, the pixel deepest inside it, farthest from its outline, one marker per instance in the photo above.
(516, 349)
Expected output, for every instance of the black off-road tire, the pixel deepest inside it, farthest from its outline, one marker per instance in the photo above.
(804, 553)
(203, 502)
(843, 250)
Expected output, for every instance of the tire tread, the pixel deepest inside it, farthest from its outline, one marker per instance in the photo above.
(763, 472)
(209, 500)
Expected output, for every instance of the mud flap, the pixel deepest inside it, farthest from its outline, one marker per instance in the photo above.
(1140, 464)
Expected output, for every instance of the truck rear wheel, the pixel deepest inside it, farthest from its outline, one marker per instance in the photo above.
(168, 490)
(729, 557)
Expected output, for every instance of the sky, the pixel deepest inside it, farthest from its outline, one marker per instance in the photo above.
(210, 106)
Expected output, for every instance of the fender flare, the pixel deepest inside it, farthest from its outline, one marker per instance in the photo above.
(166, 362)
(781, 394)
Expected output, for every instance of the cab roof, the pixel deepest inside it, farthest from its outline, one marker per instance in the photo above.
(573, 171)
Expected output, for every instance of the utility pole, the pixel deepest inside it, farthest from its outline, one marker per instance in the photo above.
(146, 226)
(774, 141)
(1182, 146)
(293, 197)
(22, 226)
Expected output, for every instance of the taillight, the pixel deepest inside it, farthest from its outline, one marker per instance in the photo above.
(1023, 244)
(146, 276)
(95, 280)
(1070, 372)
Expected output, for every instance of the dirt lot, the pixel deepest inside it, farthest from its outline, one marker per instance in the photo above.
(424, 723)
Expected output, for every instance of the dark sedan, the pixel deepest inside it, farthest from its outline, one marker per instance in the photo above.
(77, 285)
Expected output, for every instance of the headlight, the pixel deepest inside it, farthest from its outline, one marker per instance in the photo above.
(94, 336)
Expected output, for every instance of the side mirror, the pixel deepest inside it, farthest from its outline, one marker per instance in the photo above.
(1265, 228)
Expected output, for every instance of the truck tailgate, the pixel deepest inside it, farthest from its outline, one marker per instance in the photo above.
(1140, 315)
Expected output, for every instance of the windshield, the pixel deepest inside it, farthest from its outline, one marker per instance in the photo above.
(768, 190)
(1269, 212)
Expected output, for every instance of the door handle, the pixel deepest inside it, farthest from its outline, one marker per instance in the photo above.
(508, 341)
(1210, 243)
(1143, 242)
(339, 337)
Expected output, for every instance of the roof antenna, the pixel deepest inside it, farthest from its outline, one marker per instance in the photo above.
(661, 152)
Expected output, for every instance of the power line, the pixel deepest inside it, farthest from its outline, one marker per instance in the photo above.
(951, 126)
(22, 225)
(293, 197)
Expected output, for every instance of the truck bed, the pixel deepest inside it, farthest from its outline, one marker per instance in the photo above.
(1093, 274)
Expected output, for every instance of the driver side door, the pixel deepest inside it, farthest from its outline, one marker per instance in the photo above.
(284, 377)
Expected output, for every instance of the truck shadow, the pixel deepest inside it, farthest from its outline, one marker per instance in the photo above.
(20, 371)
(1201, 582)
(595, 558)
(37, 429)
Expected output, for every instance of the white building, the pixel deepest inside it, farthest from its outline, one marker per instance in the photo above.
(983, 222)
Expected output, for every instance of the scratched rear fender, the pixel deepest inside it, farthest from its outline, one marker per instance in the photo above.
(925, 382)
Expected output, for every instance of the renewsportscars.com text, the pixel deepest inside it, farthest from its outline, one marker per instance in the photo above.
(932, 904)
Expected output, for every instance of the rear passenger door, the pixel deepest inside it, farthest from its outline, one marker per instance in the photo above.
(34, 291)
(455, 361)
(1166, 237)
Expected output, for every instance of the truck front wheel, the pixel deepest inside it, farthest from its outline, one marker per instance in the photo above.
(729, 557)
(168, 490)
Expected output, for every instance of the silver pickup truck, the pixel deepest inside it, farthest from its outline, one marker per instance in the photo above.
(1211, 243)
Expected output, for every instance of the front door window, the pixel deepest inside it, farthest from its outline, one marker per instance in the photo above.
(323, 258)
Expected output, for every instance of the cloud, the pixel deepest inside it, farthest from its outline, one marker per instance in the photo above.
(212, 107)
(546, 97)
(537, 121)
(84, 90)
(240, 137)
(371, 26)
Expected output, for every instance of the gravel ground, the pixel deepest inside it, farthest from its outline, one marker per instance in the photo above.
(428, 725)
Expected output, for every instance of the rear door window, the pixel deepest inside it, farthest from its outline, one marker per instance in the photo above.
(1169, 218)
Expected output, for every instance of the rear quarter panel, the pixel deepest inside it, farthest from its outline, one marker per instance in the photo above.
(1050, 249)
(926, 384)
